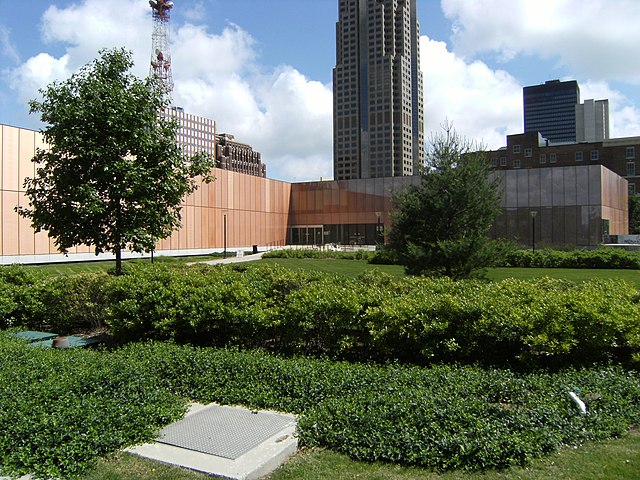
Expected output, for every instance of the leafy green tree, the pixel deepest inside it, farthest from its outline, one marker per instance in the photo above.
(634, 214)
(439, 227)
(113, 176)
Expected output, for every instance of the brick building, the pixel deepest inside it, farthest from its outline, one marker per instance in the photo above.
(531, 150)
(238, 157)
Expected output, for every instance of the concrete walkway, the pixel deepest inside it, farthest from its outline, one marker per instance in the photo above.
(231, 258)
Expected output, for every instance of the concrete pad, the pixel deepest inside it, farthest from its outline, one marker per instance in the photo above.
(260, 441)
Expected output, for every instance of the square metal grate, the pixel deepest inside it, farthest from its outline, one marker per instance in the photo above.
(224, 431)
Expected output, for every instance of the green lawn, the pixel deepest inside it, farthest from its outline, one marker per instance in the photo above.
(352, 268)
(614, 459)
(69, 268)
(572, 274)
(611, 460)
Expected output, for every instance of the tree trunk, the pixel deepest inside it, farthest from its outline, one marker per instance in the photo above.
(118, 260)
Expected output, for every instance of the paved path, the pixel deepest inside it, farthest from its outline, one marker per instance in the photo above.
(232, 259)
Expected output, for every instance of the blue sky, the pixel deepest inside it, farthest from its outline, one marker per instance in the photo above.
(262, 68)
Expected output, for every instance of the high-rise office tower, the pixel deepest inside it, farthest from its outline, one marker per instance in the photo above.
(378, 110)
(551, 110)
(592, 121)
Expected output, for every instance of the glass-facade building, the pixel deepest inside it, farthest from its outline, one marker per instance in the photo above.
(551, 110)
(378, 120)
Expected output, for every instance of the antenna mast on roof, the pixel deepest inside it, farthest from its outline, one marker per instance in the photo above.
(160, 56)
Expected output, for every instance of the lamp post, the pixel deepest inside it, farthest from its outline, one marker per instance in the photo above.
(224, 232)
(533, 229)
(378, 229)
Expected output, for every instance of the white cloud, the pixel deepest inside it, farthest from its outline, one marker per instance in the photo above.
(196, 53)
(7, 48)
(283, 115)
(92, 25)
(84, 29)
(596, 39)
(195, 12)
(280, 113)
(484, 104)
(36, 73)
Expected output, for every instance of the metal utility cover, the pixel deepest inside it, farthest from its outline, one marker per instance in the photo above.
(225, 432)
(33, 336)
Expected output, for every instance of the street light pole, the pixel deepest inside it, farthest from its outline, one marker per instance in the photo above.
(378, 231)
(224, 228)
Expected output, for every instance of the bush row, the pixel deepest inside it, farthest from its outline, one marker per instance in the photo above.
(417, 320)
(63, 408)
(314, 253)
(605, 257)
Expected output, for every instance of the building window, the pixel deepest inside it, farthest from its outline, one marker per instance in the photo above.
(494, 162)
(516, 163)
(528, 152)
(503, 161)
(632, 188)
(630, 152)
(578, 156)
(595, 155)
(543, 158)
(516, 149)
(631, 169)
(553, 158)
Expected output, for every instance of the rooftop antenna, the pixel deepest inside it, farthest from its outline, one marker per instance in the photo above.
(160, 56)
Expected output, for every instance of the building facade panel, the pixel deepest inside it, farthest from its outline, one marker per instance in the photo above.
(10, 224)
(10, 149)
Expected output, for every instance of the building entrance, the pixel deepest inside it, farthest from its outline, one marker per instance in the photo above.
(307, 235)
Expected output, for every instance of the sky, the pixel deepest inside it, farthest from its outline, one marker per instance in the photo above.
(262, 68)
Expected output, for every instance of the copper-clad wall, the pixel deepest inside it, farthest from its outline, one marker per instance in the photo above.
(345, 202)
(257, 209)
(570, 204)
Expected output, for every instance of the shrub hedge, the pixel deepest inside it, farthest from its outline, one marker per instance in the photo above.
(419, 320)
(604, 257)
(63, 408)
(314, 253)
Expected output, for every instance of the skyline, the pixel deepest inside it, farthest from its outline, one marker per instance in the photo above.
(262, 70)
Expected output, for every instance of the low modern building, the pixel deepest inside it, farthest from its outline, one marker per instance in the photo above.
(575, 205)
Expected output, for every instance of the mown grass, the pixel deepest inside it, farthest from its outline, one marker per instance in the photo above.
(571, 274)
(609, 460)
(69, 268)
(353, 268)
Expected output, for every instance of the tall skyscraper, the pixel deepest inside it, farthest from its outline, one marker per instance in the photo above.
(592, 121)
(378, 109)
(551, 110)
